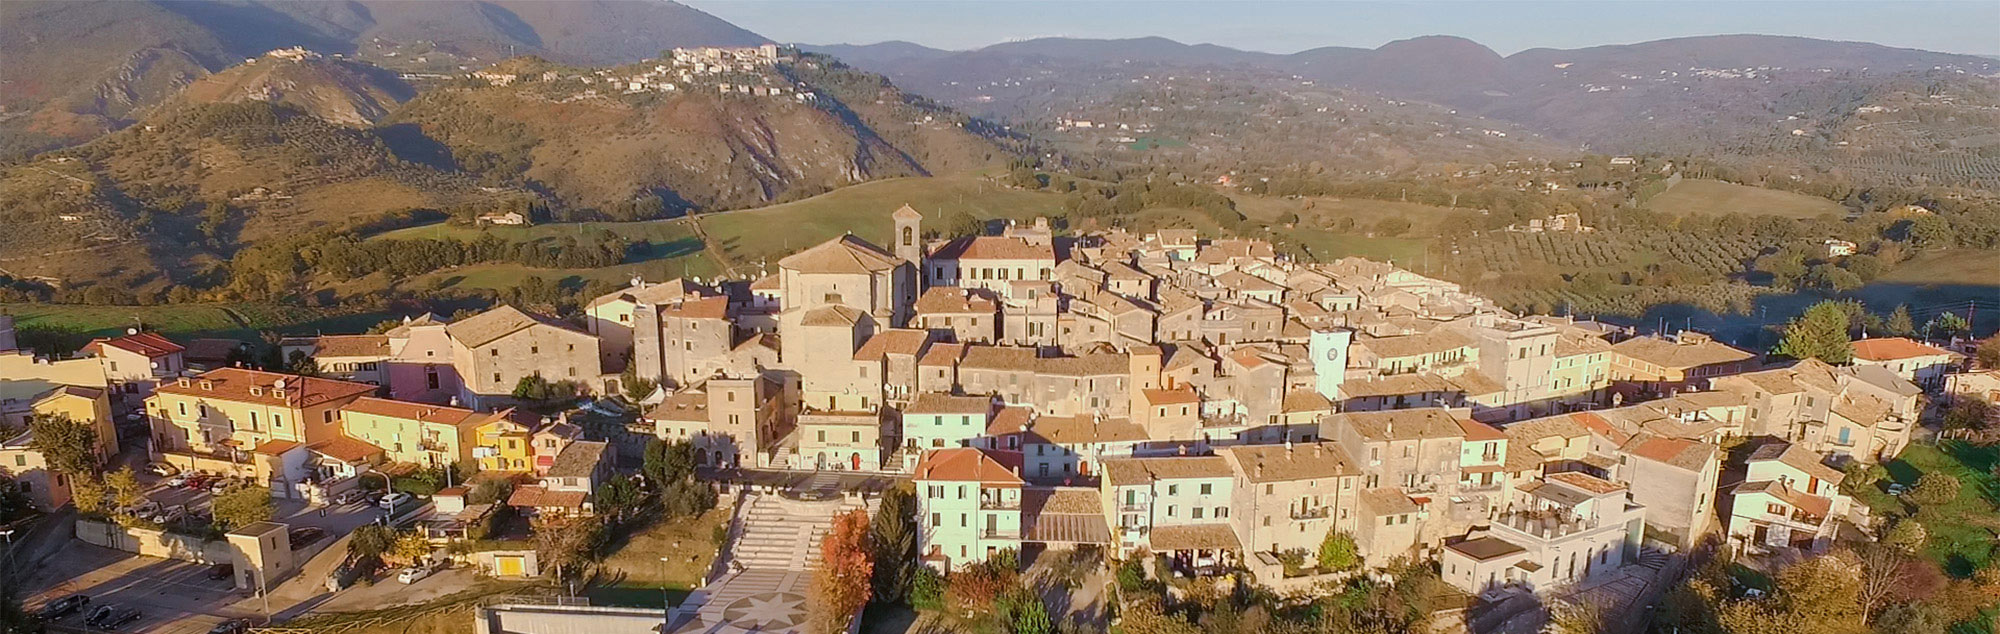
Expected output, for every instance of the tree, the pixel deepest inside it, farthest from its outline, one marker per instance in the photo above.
(125, 489)
(893, 535)
(69, 445)
(566, 545)
(1882, 572)
(371, 540)
(617, 498)
(1946, 326)
(840, 587)
(1026, 614)
(1338, 552)
(668, 462)
(301, 364)
(490, 491)
(687, 498)
(1988, 353)
(87, 493)
(927, 589)
(1821, 333)
(243, 505)
(1911, 618)
(1970, 412)
(1582, 617)
(1933, 490)
(1899, 323)
(1906, 533)
(959, 223)
(410, 547)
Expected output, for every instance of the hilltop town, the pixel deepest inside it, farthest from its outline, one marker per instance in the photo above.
(1204, 403)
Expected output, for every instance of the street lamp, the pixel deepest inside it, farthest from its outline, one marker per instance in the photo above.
(666, 607)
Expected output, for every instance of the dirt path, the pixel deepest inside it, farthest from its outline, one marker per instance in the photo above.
(714, 250)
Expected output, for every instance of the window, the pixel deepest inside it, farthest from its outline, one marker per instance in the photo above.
(1197, 512)
(1774, 509)
(493, 353)
(1207, 488)
(1173, 489)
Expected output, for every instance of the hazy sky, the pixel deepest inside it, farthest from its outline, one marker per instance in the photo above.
(1970, 26)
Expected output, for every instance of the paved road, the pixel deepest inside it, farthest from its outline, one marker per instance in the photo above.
(173, 597)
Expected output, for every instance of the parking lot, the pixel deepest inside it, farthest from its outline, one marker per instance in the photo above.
(173, 597)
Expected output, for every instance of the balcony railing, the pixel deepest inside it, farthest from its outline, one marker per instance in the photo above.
(1132, 508)
(1319, 513)
(431, 445)
(1000, 533)
(999, 504)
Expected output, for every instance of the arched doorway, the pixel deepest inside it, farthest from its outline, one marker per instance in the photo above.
(857, 461)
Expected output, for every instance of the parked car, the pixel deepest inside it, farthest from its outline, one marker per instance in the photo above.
(302, 537)
(143, 510)
(198, 481)
(350, 497)
(393, 500)
(102, 616)
(220, 485)
(1897, 489)
(178, 481)
(413, 574)
(169, 516)
(233, 626)
(163, 469)
(119, 616)
(219, 572)
(64, 606)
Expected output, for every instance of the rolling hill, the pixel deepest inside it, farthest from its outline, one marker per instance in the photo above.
(79, 68)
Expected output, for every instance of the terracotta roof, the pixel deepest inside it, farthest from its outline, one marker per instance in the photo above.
(211, 349)
(1193, 537)
(540, 497)
(253, 386)
(1894, 348)
(951, 300)
(1688, 353)
(683, 406)
(1401, 424)
(1485, 548)
(275, 447)
(843, 255)
(1302, 461)
(650, 293)
(1575, 341)
(999, 358)
(406, 410)
(1558, 426)
(966, 464)
(1069, 430)
(1080, 500)
(1811, 504)
(1095, 364)
(146, 344)
(1797, 457)
(1131, 471)
(1241, 281)
(1585, 482)
(831, 315)
(767, 283)
(1396, 384)
(1302, 400)
(903, 341)
(1010, 420)
(942, 354)
(1689, 455)
(992, 248)
(577, 460)
(1388, 501)
(1171, 397)
(704, 308)
(346, 449)
(503, 320)
(1478, 431)
(1435, 341)
(935, 403)
(1476, 384)
(351, 346)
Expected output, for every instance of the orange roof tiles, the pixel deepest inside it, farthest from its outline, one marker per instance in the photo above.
(1894, 348)
(148, 344)
(966, 464)
(253, 386)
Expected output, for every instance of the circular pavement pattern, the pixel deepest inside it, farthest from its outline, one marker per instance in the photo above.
(766, 611)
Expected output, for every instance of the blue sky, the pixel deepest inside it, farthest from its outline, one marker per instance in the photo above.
(1970, 26)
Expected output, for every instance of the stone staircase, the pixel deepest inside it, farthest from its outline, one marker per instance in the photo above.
(782, 534)
(1652, 558)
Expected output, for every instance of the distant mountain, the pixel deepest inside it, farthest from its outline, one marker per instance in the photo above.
(1784, 98)
(77, 68)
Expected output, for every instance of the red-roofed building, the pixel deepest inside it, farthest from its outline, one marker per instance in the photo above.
(136, 363)
(1915, 361)
(968, 505)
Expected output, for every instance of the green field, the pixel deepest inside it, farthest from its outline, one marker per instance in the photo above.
(765, 234)
(1962, 533)
(1715, 197)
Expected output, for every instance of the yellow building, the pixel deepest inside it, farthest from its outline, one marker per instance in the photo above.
(417, 433)
(505, 442)
(223, 412)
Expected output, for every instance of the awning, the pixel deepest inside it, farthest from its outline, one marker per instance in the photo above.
(1194, 537)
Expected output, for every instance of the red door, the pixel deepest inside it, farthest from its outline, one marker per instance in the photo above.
(857, 461)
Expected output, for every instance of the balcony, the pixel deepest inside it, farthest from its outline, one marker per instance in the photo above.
(988, 503)
(1133, 507)
(431, 445)
(1319, 513)
(1013, 534)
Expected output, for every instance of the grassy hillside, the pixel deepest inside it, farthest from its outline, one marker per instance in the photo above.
(751, 236)
(1713, 197)
(240, 321)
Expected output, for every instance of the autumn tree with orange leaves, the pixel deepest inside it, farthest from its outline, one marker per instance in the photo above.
(841, 585)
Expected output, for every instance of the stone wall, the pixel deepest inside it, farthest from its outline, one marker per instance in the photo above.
(154, 543)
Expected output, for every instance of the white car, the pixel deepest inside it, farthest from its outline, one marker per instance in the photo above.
(393, 500)
(412, 574)
(349, 497)
(163, 469)
(178, 481)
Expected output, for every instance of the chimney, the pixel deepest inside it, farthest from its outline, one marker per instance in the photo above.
(1259, 472)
